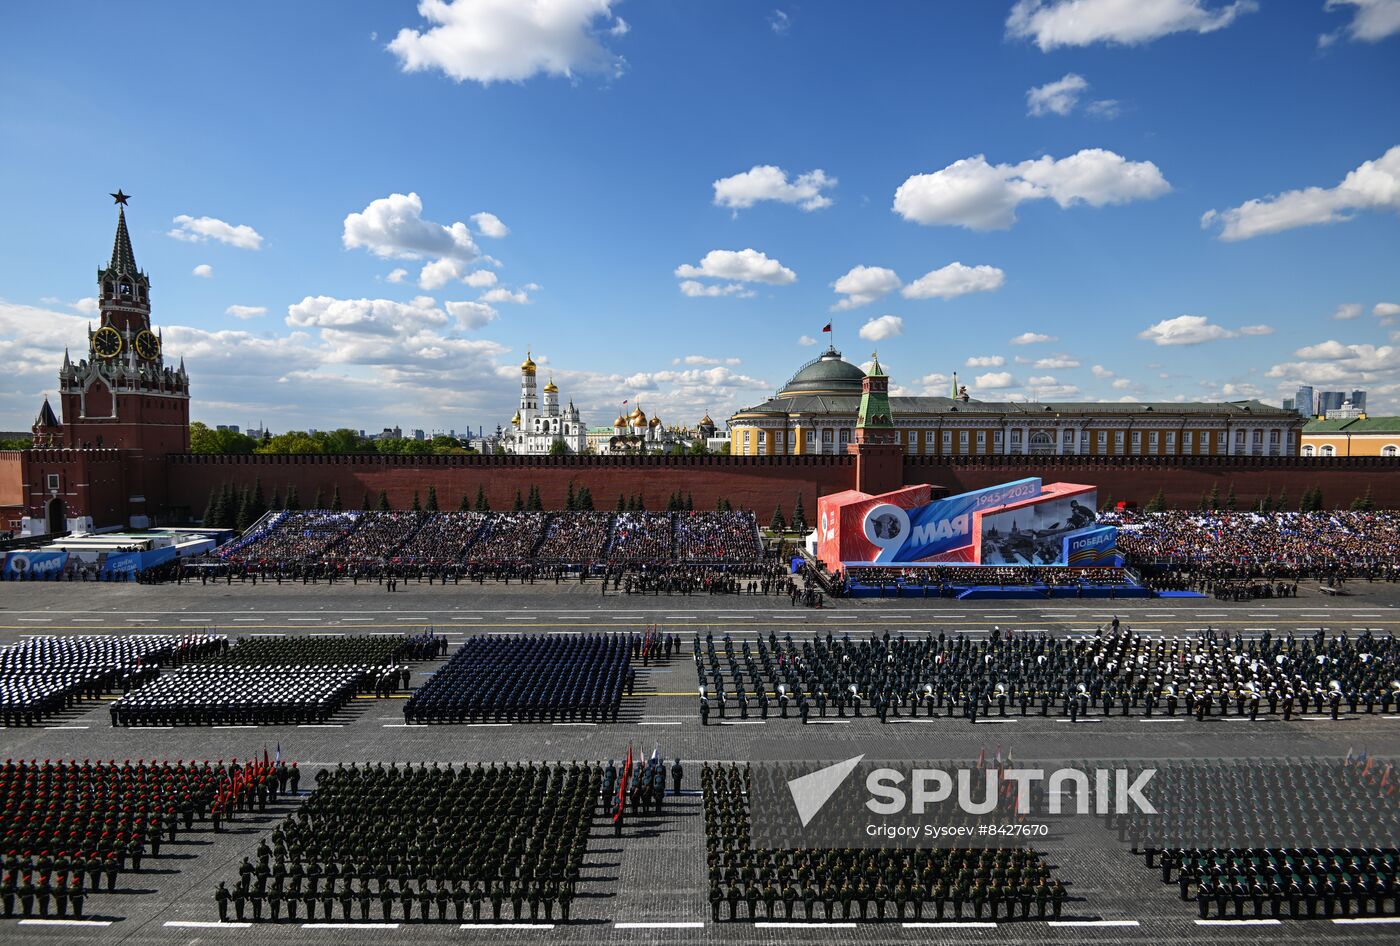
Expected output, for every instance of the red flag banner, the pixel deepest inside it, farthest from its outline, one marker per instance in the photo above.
(827, 327)
(622, 785)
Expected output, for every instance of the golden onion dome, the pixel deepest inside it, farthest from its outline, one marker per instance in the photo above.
(637, 417)
(516, 419)
(528, 365)
(620, 422)
(550, 388)
(706, 422)
(655, 422)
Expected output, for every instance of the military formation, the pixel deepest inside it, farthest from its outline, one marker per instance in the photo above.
(68, 826)
(276, 681)
(1113, 672)
(872, 884)
(535, 678)
(1323, 846)
(42, 676)
(425, 844)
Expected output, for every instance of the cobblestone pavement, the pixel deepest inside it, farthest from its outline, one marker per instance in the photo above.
(649, 886)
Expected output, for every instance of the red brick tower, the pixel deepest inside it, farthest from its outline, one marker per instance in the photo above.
(878, 452)
(123, 395)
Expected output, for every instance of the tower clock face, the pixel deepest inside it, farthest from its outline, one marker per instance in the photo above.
(107, 342)
(147, 345)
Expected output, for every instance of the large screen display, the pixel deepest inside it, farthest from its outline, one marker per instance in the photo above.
(1034, 534)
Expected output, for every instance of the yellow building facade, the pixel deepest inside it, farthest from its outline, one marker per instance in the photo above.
(815, 413)
(1355, 437)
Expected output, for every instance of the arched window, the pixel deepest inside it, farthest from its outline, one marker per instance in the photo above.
(1308, 450)
(1328, 450)
(1042, 442)
(1390, 450)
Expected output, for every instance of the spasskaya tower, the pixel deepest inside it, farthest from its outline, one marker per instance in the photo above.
(123, 394)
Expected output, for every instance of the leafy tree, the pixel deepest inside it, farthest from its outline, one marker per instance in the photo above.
(481, 504)
(204, 439)
(778, 523)
(1157, 503)
(336, 504)
(383, 501)
(799, 515)
(519, 504)
(417, 506)
(726, 448)
(559, 449)
(293, 500)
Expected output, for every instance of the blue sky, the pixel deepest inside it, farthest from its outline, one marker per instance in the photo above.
(415, 194)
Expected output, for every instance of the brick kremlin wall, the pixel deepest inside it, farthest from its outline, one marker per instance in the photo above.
(757, 483)
(760, 483)
(1183, 480)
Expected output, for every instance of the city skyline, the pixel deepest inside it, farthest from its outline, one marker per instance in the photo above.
(668, 202)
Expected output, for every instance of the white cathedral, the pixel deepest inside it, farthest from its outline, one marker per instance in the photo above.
(537, 427)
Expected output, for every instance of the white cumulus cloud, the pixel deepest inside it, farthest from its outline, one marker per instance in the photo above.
(1256, 330)
(975, 194)
(396, 275)
(747, 265)
(471, 315)
(1057, 363)
(864, 284)
(955, 280)
(806, 340)
(1184, 330)
(502, 294)
(1386, 311)
(1346, 311)
(994, 381)
(246, 311)
(699, 290)
(1058, 97)
(767, 182)
(1371, 21)
(489, 225)
(1054, 23)
(1375, 185)
(1032, 338)
(203, 270)
(1101, 372)
(393, 228)
(886, 326)
(510, 40)
(986, 361)
(199, 229)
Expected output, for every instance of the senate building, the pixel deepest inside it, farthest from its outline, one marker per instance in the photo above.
(815, 413)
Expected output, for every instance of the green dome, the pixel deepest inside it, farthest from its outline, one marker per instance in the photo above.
(828, 374)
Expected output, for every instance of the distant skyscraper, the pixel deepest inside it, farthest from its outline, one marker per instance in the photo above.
(1303, 400)
(1330, 401)
(1358, 400)
(1288, 403)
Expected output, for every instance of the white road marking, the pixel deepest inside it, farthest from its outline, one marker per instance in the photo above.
(644, 723)
(506, 926)
(950, 924)
(349, 926)
(206, 925)
(320, 725)
(53, 922)
(1260, 922)
(1354, 920)
(798, 925)
(666, 925)
(1094, 923)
